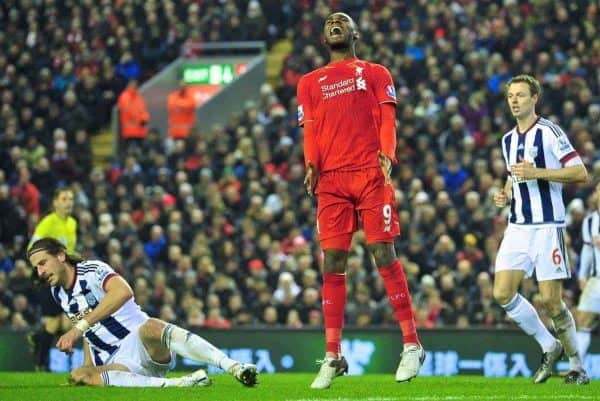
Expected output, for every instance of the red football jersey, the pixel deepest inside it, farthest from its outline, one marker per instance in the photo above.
(343, 100)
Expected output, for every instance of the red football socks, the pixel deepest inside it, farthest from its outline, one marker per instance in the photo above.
(334, 302)
(399, 296)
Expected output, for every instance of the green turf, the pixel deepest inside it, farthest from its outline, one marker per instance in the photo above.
(50, 387)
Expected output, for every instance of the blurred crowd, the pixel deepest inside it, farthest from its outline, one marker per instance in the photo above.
(218, 231)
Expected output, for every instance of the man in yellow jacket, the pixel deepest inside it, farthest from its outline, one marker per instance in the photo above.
(61, 225)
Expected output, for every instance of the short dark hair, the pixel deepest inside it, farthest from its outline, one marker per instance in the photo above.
(60, 190)
(534, 84)
(53, 247)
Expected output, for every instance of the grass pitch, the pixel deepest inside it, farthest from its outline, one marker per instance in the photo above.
(295, 387)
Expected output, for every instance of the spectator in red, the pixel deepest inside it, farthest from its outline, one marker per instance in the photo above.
(27, 194)
(472, 253)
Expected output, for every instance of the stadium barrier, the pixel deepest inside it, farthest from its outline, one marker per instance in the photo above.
(491, 353)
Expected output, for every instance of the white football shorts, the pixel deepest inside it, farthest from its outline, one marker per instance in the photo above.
(589, 301)
(134, 355)
(542, 250)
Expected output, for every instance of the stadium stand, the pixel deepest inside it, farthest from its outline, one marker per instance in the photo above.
(218, 232)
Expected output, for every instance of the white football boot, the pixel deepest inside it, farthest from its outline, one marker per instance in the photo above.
(411, 360)
(330, 369)
(245, 373)
(198, 378)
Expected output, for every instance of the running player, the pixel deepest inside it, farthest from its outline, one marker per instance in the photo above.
(539, 159)
(589, 302)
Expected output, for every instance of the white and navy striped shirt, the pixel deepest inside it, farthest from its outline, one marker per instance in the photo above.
(589, 260)
(104, 337)
(538, 202)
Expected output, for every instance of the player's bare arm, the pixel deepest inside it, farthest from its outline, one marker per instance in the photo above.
(501, 196)
(311, 154)
(117, 293)
(311, 178)
(525, 170)
(387, 139)
(386, 166)
(87, 355)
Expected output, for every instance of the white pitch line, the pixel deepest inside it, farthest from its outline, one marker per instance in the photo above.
(573, 397)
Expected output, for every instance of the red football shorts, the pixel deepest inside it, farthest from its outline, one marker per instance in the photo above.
(345, 197)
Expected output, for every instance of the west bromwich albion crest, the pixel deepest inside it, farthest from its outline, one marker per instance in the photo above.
(533, 152)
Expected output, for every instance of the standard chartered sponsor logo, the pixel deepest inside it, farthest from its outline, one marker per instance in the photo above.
(337, 85)
(338, 92)
(338, 88)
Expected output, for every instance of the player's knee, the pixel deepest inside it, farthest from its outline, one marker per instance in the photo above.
(83, 376)
(151, 333)
(52, 324)
(145, 329)
(151, 329)
(552, 304)
(76, 376)
(383, 253)
(503, 295)
(335, 261)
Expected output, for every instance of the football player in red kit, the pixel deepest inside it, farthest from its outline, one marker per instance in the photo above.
(348, 111)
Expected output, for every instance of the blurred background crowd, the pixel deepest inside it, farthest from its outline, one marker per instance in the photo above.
(218, 231)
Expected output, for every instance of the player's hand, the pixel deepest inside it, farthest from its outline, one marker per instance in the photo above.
(386, 166)
(310, 179)
(66, 342)
(582, 283)
(500, 198)
(523, 170)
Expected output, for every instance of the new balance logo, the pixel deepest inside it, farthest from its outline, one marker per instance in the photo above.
(359, 70)
(323, 78)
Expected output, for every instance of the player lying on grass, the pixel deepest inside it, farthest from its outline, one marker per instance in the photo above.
(123, 346)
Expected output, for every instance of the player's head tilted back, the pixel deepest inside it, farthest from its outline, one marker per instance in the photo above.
(51, 261)
(522, 93)
(341, 33)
